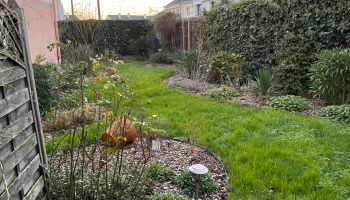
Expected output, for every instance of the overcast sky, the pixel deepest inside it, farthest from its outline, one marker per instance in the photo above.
(110, 7)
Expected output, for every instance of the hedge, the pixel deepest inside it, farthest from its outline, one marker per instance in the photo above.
(121, 36)
(280, 34)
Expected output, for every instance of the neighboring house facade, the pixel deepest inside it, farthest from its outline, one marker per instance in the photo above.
(191, 8)
(128, 17)
(41, 23)
(181, 7)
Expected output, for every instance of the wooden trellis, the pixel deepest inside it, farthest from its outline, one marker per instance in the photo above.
(22, 150)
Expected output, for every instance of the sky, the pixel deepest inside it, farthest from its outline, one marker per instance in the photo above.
(113, 7)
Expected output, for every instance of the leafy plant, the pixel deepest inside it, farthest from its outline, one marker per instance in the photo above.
(340, 113)
(223, 93)
(158, 172)
(331, 76)
(56, 85)
(187, 182)
(293, 72)
(165, 196)
(264, 82)
(290, 103)
(161, 58)
(46, 81)
(185, 60)
(226, 68)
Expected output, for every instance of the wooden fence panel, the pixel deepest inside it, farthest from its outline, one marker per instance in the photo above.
(22, 150)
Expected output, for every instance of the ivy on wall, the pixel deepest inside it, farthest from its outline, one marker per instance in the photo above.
(281, 34)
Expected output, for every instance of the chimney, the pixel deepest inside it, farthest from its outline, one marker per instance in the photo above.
(129, 16)
(119, 15)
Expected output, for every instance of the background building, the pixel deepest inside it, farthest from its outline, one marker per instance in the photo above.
(191, 8)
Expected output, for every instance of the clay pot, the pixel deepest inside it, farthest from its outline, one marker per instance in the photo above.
(120, 132)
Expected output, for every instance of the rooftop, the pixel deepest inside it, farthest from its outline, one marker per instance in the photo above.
(129, 17)
(175, 2)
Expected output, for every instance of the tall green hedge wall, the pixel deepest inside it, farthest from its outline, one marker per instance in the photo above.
(280, 34)
(100, 35)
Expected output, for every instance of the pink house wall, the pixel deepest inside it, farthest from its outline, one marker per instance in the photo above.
(40, 19)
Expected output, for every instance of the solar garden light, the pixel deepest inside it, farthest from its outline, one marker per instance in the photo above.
(198, 170)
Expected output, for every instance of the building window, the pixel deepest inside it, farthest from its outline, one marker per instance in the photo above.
(212, 4)
(199, 9)
(188, 11)
(177, 11)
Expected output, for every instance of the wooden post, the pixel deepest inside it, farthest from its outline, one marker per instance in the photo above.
(189, 34)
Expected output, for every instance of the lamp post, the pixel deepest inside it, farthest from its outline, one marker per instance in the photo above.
(198, 170)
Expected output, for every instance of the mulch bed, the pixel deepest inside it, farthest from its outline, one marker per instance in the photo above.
(246, 97)
(174, 154)
(179, 156)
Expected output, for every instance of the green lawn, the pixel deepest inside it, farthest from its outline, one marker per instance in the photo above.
(301, 157)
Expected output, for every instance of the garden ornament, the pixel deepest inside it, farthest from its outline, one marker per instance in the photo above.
(198, 170)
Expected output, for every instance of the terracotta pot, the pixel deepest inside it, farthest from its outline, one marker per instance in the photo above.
(120, 132)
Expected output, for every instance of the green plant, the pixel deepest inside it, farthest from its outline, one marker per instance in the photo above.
(56, 85)
(226, 68)
(158, 172)
(293, 72)
(46, 80)
(290, 103)
(187, 182)
(340, 113)
(223, 93)
(161, 58)
(166, 196)
(185, 60)
(331, 76)
(264, 82)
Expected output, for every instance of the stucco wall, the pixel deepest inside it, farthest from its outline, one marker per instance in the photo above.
(40, 19)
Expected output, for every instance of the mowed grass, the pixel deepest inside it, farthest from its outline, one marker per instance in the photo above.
(269, 154)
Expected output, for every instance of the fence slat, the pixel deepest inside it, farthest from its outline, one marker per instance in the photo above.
(35, 190)
(11, 131)
(14, 101)
(11, 74)
(18, 183)
(15, 157)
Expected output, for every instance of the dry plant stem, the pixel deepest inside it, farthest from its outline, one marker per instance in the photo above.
(83, 136)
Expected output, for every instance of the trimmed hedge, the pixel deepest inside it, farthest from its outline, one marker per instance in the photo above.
(109, 34)
(282, 34)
